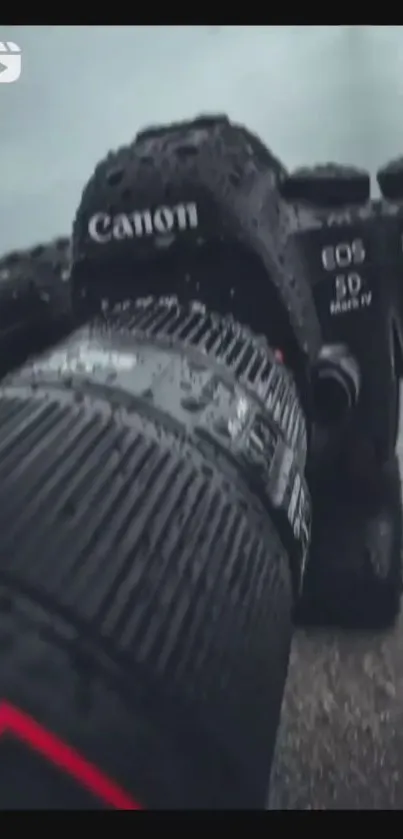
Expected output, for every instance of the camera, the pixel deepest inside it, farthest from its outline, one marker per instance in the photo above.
(331, 241)
(173, 473)
(155, 513)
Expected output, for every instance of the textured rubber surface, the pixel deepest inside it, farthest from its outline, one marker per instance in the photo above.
(170, 580)
(253, 420)
(231, 181)
(354, 574)
(35, 301)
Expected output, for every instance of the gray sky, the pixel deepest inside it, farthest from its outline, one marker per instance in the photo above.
(313, 93)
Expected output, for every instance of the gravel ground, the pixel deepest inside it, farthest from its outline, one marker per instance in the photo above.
(340, 744)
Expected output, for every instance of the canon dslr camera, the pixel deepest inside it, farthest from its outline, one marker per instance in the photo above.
(158, 535)
(155, 513)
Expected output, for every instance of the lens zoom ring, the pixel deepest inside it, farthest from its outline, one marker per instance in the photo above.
(156, 553)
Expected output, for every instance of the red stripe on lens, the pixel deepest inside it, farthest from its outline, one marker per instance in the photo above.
(60, 754)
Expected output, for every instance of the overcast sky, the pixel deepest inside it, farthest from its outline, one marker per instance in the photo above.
(313, 93)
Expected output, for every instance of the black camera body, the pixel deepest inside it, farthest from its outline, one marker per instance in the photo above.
(349, 245)
(325, 297)
(345, 240)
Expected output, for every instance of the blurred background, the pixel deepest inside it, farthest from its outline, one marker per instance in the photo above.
(313, 93)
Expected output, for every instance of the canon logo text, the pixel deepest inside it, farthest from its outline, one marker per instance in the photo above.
(104, 228)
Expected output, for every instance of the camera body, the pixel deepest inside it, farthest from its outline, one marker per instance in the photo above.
(301, 260)
(306, 260)
(349, 245)
(344, 238)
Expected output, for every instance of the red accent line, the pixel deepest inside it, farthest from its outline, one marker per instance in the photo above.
(27, 730)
